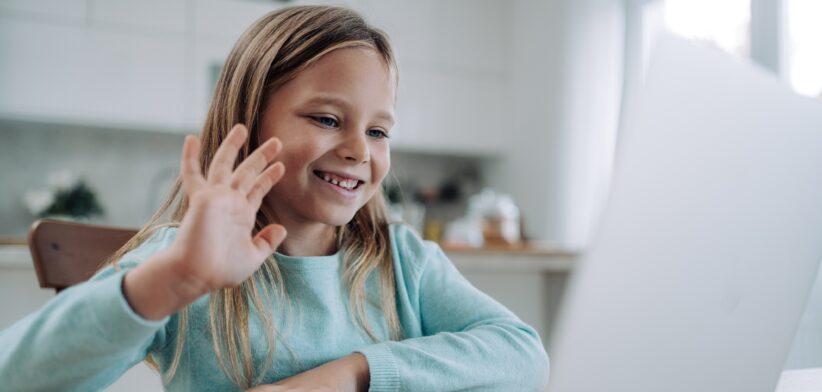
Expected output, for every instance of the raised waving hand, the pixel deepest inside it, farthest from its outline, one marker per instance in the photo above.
(214, 247)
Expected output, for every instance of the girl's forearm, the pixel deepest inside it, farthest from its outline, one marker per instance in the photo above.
(360, 367)
(155, 289)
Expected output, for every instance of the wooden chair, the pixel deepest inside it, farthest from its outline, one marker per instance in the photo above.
(66, 253)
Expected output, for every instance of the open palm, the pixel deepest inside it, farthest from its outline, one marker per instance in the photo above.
(214, 242)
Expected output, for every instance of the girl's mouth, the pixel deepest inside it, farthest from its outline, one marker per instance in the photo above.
(341, 182)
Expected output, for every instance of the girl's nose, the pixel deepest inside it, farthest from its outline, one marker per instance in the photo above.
(354, 148)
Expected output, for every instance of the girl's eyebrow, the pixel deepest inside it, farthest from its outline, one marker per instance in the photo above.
(345, 105)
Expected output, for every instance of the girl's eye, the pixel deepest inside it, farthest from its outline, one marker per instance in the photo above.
(377, 133)
(328, 122)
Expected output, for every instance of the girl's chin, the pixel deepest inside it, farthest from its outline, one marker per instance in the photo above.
(336, 218)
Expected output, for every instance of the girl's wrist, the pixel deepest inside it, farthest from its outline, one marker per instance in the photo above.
(154, 290)
(183, 277)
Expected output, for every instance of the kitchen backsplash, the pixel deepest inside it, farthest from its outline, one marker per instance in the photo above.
(124, 168)
(131, 171)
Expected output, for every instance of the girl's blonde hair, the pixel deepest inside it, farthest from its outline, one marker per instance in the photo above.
(270, 53)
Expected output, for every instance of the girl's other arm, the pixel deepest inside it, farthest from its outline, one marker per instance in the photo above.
(469, 342)
(347, 374)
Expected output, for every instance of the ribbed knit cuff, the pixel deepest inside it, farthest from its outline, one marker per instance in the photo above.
(118, 322)
(385, 377)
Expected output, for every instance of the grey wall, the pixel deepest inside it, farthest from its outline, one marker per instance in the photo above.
(127, 169)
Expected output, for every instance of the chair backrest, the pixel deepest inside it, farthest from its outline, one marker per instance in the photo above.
(66, 253)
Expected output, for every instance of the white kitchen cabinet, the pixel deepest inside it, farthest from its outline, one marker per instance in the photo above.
(454, 81)
(152, 65)
(150, 15)
(75, 10)
(68, 72)
(208, 56)
(227, 19)
(450, 113)
(463, 36)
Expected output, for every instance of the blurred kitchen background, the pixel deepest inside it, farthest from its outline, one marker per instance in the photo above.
(522, 97)
(508, 115)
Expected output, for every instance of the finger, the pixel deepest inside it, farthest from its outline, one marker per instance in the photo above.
(190, 173)
(264, 182)
(268, 239)
(223, 164)
(246, 173)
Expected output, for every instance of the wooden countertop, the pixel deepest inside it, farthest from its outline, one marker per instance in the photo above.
(14, 253)
(13, 241)
(522, 249)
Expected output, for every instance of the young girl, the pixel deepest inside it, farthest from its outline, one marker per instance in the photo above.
(278, 269)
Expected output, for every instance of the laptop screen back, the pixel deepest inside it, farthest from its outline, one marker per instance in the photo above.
(711, 238)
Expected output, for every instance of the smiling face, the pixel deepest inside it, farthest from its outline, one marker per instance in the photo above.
(333, 119)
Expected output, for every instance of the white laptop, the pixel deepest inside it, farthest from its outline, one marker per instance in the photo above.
(711, 239)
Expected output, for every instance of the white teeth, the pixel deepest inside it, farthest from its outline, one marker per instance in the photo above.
(347, 184)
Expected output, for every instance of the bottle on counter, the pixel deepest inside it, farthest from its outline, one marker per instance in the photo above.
(492, 219)
(501, 223)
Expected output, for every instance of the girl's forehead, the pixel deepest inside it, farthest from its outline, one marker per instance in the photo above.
(361, 64)
(357, 75)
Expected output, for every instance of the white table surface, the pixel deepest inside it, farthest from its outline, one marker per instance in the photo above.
(800, 380)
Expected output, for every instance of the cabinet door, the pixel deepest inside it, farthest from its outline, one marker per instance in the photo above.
(167, 16)
(228, 19)
(462, 36)
(68, 72)
(208, 57)
(75, 10)
(453, 73)
(450, 113)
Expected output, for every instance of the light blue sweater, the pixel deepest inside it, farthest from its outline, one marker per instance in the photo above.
(456, 337)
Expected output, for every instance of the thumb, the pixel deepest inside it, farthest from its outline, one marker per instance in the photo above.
(268, 239)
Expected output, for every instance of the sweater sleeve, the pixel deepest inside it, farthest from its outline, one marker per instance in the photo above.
(83, 339)
(470, 342)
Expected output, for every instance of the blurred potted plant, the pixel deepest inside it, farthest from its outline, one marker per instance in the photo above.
(68, 197)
